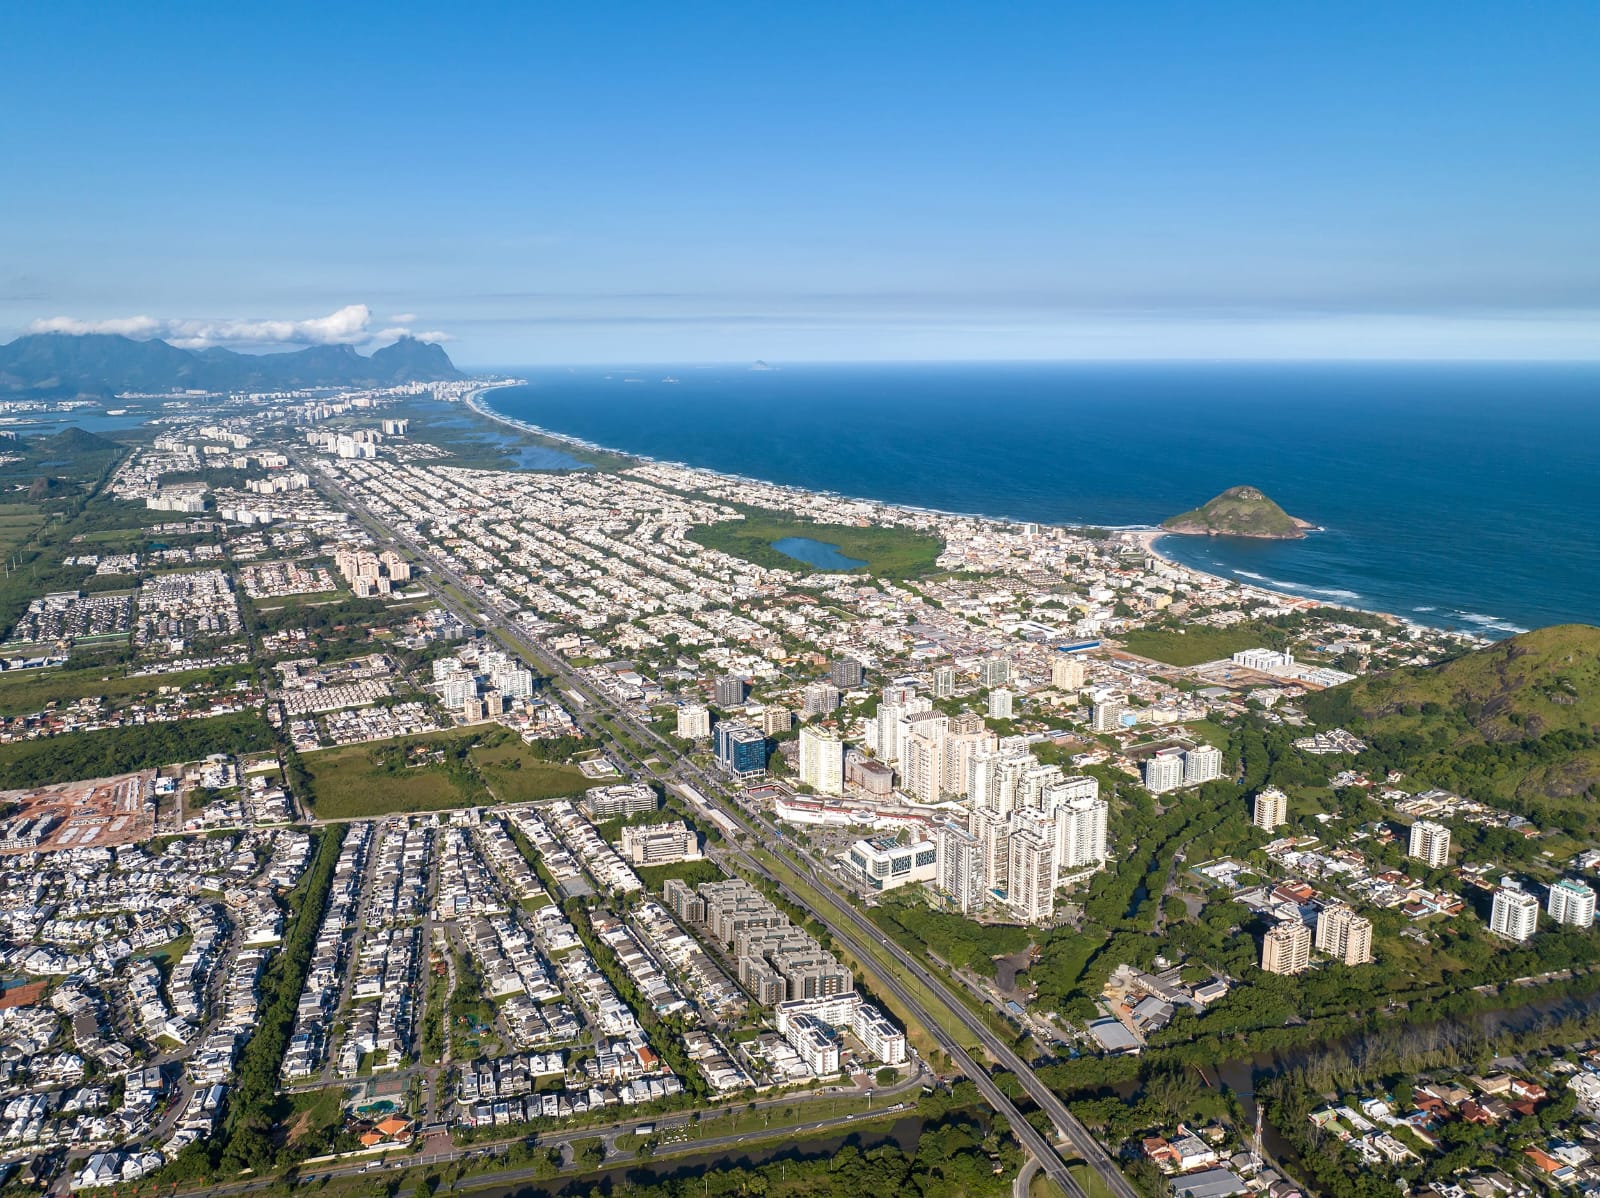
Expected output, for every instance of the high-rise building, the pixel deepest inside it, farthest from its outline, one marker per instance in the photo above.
(994, 671)
(1271, 808)
(1109, 707)
(1286, 948)
(694, 721)
(959, 867)
(1000, 704)
(1203, 763)
(1163, 771)
(775, 720)
(944, 681)
(847, 673)
(820, 698)
(821, 761)
(741, 750)
(1343, 934)
(1515, 915)
(992, 831)
(922, 760)
(728, 691)
(1067, 673)
(1081, 832)
(1572, 903)
(960, 744)
(1031, 868)
(1430, 843)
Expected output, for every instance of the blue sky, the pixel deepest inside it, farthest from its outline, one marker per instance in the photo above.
(683, 182)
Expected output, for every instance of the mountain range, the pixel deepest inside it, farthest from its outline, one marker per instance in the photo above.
(65, 364)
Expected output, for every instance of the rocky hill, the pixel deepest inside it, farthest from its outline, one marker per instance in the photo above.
(1239, 512)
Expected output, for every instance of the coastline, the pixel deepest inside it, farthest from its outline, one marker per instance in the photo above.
(1145, 536)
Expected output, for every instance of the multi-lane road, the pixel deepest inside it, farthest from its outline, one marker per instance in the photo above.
(843, 920)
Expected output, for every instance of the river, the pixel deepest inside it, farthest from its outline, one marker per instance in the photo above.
(1241, 1074)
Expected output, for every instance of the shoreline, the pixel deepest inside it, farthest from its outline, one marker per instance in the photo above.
(1143, 535)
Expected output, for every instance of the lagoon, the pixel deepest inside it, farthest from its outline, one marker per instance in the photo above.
(816, 553)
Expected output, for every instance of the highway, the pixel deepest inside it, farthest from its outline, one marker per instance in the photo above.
(843, 920)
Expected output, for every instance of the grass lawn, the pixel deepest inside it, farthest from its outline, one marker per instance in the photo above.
(887, 552)
(655, 877)
(1191, 645)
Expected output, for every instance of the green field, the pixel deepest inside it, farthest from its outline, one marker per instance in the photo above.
(887, 552)
(515, 775)
(1193, 643)
(17, 523)
(436, 772)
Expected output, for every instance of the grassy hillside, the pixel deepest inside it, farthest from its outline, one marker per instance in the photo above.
(1238, 512)
(1518, 722)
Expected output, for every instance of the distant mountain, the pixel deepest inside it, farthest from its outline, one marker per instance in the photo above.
(68, 364)
(1239, 512)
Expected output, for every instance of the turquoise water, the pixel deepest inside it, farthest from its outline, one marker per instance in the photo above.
(816, 553)
(1457, 495)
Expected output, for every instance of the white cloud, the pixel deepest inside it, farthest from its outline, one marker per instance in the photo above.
(404, 318)
(432, 337)
(350, 325)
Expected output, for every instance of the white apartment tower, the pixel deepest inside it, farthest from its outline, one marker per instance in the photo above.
(1081, 833)
(821, 760)
(959, 867)
(1430, 843)
(1202, 764)
(1571, 903)
(1515, 915)
(1031, 886)
(694, 721)
(1271, 808)
(1108, 709)
(1164, 771)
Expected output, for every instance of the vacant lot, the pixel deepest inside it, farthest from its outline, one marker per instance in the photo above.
(436, 772)
(515, 775)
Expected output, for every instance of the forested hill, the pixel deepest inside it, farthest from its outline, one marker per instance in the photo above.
(1516, 723)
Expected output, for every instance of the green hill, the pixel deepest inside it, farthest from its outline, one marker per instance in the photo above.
(1516, 723)
(1238, 512)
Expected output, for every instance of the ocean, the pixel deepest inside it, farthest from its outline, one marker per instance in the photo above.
(1462, 496)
